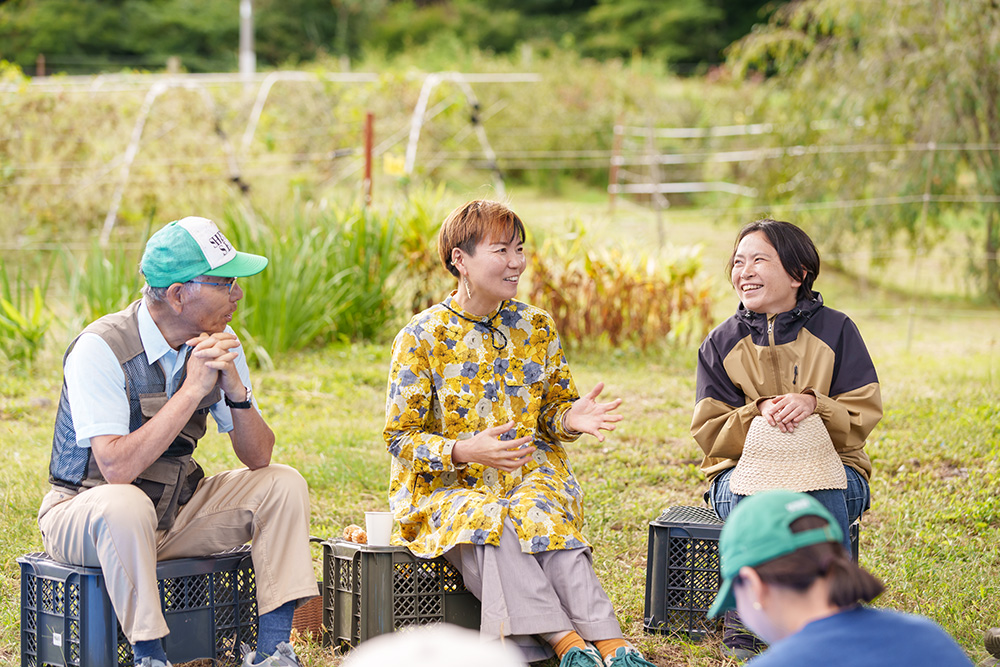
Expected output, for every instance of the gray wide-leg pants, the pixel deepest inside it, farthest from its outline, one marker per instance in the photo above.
(529, 594)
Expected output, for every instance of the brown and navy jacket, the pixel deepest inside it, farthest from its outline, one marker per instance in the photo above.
(809, 349)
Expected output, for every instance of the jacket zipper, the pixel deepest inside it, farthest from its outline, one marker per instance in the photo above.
(774, 356)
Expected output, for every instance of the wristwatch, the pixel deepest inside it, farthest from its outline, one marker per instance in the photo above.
(241, 405)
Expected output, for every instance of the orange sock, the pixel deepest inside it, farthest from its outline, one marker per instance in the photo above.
(571, 639)
(607, 647)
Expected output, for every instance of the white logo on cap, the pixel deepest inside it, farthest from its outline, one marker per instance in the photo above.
(213, 244)
(798, 504)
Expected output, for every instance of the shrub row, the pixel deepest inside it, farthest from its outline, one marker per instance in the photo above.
(356, 273)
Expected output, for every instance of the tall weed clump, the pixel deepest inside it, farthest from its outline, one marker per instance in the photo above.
(422, 280)
(327, 278)
(104, 281)
(368, 250)
(24, 318)
(606, 297)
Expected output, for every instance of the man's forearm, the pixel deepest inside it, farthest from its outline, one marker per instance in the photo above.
(252, 438)
(122, 458)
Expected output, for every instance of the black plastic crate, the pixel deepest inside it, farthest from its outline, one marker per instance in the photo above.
(682, 571)
(368, 591)
(210, 605)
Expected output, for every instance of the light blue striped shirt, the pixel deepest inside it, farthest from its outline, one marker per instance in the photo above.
(95, 382)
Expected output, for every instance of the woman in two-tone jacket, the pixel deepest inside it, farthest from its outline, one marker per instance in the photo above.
(784, 356)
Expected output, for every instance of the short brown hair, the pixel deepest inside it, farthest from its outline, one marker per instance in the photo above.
(474, 221)
(849, 583)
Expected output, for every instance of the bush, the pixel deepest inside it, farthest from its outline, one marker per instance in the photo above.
(602, 296)
(327, 278)
(422, 280)
(106, 281)
(23, 317)
(350, 273)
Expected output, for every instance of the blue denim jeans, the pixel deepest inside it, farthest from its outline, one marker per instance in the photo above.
(846, 505)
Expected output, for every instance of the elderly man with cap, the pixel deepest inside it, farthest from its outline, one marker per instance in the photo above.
(138, 386)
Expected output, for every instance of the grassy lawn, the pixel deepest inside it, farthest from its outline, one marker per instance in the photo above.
(931, 534)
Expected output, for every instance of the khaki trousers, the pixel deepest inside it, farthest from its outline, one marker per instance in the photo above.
(113, 526)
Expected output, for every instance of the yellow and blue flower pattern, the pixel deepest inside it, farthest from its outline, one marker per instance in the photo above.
(452, 377)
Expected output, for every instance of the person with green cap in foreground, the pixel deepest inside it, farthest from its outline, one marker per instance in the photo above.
(138, 386)
(786, 571)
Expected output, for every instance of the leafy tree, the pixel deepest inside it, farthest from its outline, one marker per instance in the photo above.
(299, 30)
(892, 76)
(203, 34)
(406, 24)
(671, 30)
(106, 35)
(675, 31)
(100, 35)
(29, 28)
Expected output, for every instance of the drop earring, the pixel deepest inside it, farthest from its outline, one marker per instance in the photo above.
(468, 292)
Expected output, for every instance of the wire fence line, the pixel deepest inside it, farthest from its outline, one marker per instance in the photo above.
(655, 162)
(651, 155)
(670, 168)
(523, 158)
(229, 161)
(701, 211)
(642, 164)
(572, 158)
(263, 162)
(122, 82)
(773, 153)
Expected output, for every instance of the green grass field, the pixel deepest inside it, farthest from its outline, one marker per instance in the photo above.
(931, 534)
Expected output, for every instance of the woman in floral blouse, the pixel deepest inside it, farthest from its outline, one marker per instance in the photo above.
(480, 403)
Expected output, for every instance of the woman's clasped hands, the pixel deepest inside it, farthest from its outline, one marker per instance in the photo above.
(787, 410)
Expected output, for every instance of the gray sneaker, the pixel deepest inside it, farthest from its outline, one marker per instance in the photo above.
(738, 653)
(283, 656)
(992, 642)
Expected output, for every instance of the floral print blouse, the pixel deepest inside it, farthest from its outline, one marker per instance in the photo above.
(454, 374)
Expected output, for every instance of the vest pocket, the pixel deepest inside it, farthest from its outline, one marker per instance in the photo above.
(169, 482)
(195, 428)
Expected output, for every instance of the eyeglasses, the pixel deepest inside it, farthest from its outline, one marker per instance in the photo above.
(229, 286)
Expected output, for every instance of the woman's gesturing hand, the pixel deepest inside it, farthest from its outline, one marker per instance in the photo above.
(588, 416)
(787, 410)
(485, 449)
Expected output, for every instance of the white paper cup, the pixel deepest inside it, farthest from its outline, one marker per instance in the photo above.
(379, 528)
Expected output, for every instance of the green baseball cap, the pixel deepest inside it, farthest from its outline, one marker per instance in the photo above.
(192, 247)
(759, 530)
